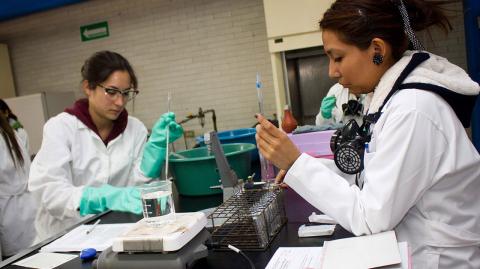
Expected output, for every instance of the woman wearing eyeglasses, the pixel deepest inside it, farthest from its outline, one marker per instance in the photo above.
(94, 153)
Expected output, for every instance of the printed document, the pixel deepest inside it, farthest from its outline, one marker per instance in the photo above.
(296, 258)
(100, 238)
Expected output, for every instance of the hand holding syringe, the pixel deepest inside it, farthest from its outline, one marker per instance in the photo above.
(164, 131)
(267, 172)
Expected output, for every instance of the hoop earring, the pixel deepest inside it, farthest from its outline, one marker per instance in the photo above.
(377, 59)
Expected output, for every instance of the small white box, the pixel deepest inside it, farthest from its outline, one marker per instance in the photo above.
(315, 230)
(322, 218)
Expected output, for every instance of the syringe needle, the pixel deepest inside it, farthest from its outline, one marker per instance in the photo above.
(258, 86)
(169, 98)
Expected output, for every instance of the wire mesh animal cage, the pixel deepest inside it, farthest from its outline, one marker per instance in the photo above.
(250, 219)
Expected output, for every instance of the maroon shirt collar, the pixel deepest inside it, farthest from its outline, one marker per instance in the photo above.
(80, 110)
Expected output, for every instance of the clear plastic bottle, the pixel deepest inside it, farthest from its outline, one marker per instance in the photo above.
(266, 169)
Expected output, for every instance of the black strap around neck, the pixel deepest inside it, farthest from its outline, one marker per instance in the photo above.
(417, 59)
(461, 104)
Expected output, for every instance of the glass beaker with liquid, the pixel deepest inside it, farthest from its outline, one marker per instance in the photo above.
(157, 202)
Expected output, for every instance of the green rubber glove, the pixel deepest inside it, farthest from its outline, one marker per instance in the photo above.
(328, 103)
(155, 148)
(99, 199)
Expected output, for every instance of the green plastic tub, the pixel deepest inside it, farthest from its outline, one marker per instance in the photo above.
(195, 170)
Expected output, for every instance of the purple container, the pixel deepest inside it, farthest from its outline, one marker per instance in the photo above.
(316, 144)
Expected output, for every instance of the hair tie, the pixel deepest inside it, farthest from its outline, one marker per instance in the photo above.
(417, 45)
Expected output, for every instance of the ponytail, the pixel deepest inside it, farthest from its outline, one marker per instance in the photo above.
(11, 141)
(424, 14)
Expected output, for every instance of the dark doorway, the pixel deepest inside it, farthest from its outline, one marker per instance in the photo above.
(308, 82)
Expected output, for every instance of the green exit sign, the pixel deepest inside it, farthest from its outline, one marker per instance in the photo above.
(94, 31)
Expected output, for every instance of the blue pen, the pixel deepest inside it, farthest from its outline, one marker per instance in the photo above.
(367, 150)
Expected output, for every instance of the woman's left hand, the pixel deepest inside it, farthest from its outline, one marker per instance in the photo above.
(275, 145)
(280, 177)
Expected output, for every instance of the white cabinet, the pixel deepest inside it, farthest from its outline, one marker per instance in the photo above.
(294, 24)
(7, 88)
(35, 109)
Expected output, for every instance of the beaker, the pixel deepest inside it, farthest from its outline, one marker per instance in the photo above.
(157, 201)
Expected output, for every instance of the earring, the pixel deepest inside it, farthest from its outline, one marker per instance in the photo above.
(377, 59)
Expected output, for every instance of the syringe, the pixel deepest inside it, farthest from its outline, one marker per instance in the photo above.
(266, 168)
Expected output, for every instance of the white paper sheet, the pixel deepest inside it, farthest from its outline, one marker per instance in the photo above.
(296, 258)
(100, 238)
(361, 252)
(45, 260)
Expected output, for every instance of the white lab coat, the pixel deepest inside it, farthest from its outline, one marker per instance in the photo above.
(342, 96)
(71, 157)
(421, 176)
(17, 206)
(22, 134)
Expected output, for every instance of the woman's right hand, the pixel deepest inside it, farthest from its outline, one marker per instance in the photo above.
(275, 145)
(159, 130)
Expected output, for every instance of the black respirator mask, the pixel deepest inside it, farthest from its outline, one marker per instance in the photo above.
(352, 108)
(348, 146)
(348, 143)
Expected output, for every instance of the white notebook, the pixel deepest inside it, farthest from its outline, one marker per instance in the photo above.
(311, 258)
(361, 252)
(349, 256)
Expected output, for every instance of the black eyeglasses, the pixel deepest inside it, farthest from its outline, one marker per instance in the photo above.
(127, 94)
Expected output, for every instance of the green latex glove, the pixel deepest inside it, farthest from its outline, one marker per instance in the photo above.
(159, 130)
(328, 103)
(155, 148)
(99, 199)
(16, 125)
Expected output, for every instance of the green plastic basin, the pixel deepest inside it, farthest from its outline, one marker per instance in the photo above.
(195, 170)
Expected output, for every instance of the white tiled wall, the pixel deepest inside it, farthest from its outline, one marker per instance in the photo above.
(451, 46)
(206, 52)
